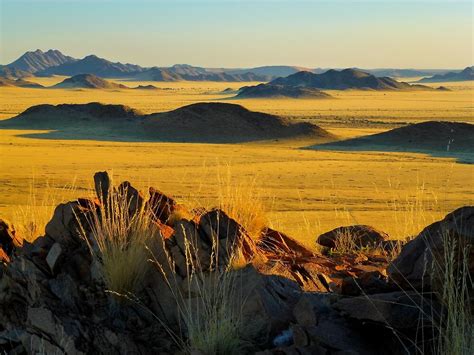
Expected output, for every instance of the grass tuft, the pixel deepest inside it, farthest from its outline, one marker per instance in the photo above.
(118, 243)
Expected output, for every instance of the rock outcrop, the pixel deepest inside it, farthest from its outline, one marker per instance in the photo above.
(54, 299)
(421, 261)
(361, 235)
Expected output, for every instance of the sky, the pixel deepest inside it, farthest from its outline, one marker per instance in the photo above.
(245, 33)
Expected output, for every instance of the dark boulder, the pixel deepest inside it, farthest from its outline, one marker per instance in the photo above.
(360, 236)
(421, 261)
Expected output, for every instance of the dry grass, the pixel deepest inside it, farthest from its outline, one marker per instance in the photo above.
(244, 202)
(30, 219)
(305, 187)
(457, 325)
(118, 243)
(209, 305)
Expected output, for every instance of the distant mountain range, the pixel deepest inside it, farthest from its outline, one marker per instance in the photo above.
(466, 75)
(93, 65)
(53, 62)
(183, 72)
(38, 61)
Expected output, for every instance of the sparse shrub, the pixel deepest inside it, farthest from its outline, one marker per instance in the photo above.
(345, 243)
(209, 304)
(118, 243)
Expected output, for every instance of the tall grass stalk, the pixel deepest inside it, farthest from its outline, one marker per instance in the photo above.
(118, 241)
(31, 218)
(244, 202)
(209, 304)
(457, 325)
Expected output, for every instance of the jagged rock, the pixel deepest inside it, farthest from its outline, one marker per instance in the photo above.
(224, 235)
(103, 187)
(366, 283)
(4, 258)
(362, 236)
(67, 221)
(192, 247)
(53, 299)
(399, 310)
(278, 244)
(421, 261)
(134, 199)
(9, 238)
(53, 256)
(161, 205)
(269, 300)
(311, 305)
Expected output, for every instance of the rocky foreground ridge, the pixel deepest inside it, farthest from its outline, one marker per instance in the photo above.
(54, 300)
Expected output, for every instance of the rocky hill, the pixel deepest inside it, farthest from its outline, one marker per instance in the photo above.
(466, 75)
(37, 61)
(87, 81)
(290, 299)
(280, 91)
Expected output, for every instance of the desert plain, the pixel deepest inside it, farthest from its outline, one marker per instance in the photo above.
(306, 192)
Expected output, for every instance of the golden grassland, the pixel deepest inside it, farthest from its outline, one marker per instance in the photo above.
(306, 192)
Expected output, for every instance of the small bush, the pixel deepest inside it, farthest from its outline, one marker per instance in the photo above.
(118, 244)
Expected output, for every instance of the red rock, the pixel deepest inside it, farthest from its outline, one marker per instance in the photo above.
(9, 238)
(278, 243)
(161, 206)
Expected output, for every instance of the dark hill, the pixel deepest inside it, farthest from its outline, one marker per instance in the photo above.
(466, 75)
(38, 60)
(202, 122)
(87, 81)
(344, 79)
(225, 123)
(280, 91)
(445, 138)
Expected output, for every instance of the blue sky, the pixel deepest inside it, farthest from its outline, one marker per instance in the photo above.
(339, 33)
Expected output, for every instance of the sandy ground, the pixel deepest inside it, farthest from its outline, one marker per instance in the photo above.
(307, 192)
